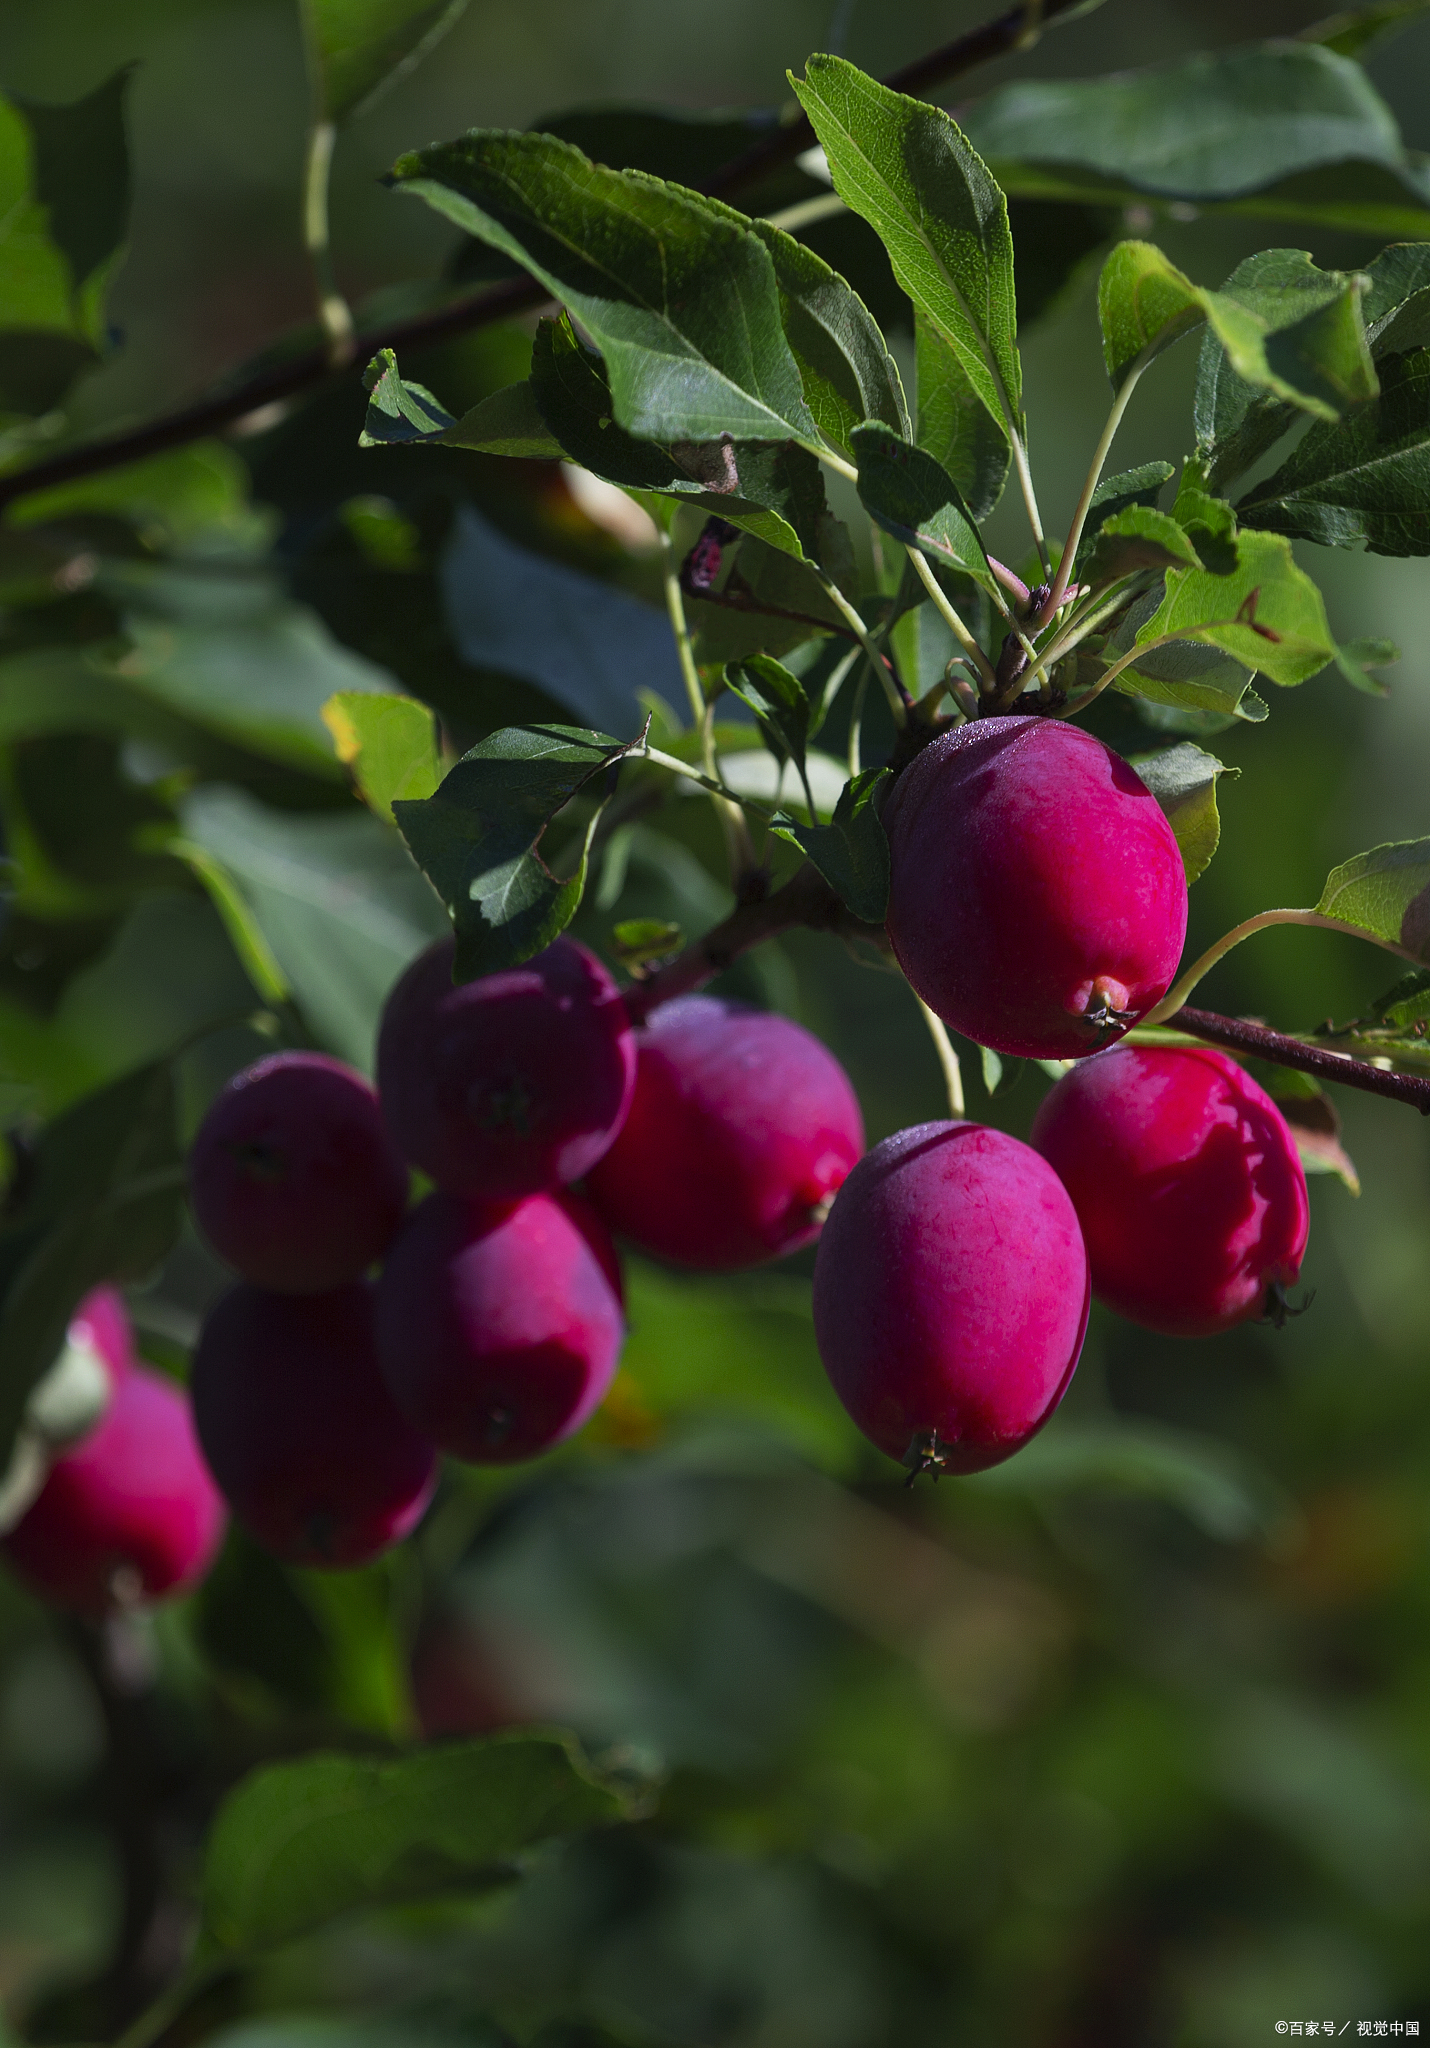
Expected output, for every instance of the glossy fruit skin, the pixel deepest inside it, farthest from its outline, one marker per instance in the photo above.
(1036, 885)
(742, 1128)
(951, 1294)
(129, 1513)
(499, 1324)
(293, 1177)
(298, 1427)
(509, 1085)
(1187, 1183)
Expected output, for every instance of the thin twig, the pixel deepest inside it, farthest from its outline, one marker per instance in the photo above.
(1238, 1034)
(236, 401)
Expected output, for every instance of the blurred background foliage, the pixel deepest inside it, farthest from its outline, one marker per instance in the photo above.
(1126, 1742)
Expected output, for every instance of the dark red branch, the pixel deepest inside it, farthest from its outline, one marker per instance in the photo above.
(497, 302)
(1239, 1035)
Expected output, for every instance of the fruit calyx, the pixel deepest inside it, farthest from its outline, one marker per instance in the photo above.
(928, 1452)
(1278, 1305)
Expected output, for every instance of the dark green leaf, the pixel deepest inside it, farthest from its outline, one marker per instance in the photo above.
(476, 839)
(1138, 537)
(913, 497)
(1314, 1124)
(780, 704)
(1267, 614)
(509, 422)
(1142, 486)
(1316, 342)
(106, 1203)
(908, 169)
(682, 302)
(1357, 28)
(851, 852)
(1366, 478)
(1386, 892)
(1396, 276)
(299, 1843)
(954, 424)
(1183, 779)
(848, 373)
(357, 48)
(399, 412)
(1406, 1003)
(1356, 658)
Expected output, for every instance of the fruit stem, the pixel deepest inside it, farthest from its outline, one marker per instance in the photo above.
(333, 309)
(739, 848)
(892, 688)
(947, 1059)
(1176, 996)
(951, 619)
(1030, 496)
(1090, 483)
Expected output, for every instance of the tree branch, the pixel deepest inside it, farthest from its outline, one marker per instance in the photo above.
(1238, 1034)
(313, 367)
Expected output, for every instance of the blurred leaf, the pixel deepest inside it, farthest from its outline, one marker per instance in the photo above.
(1052, 242)
(1407, 1003)
(1000, 1072)
(1267, 615)
(656, 277)
(336, 898)
(244, 931)
(909, 170)
(358, 48)
(1386, 892)
(388, 743)
(639, 940)
(398, 2031)
(585, 643)
(384, 534)
(1183, 779)
(1210, 1482)
(1214, 126)
(1138, 537)
(82, 180)
(1315, 1124)
(780, 704)
(851, 852)
(476, 839)
(169, 499)
(1362, 478)
(914, 498)
(1355, 29)
(106, 1201)
(297, 1844)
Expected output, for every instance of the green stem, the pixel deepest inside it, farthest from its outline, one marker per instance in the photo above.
(862, 635)
(856, 719)
(1030, 498)
(1125, 661)
(715, 787)
(1179, 992)
(738, 845)
(675, 608)
(1090, 484)
(333, 309)
(805, 212)
(924, 571)
(947, 1059)
(837, 463)
(157, 2018)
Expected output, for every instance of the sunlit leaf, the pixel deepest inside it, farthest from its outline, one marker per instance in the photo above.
(1386, 892)
(389, 744)
(1183, 779)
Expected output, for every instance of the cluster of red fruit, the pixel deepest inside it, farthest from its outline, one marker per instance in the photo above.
(1038, 904)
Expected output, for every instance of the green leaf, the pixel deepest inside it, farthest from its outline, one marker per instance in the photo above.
(297, 1844)
(388, 743)
(1183, 779)
(1278, 325)
(851, 852)
(681, 301)
(1406, 1003)
(1205, 127)
(1267, 615)
(848, 374)
(1314, 1123)
(476, 839)
(1000, 1072)
(1141, 486)
(509, 422)
(358, 48)
(106, 1202)
(1386, 892)
(779, 702)
(909, 170)
(913, 497)
(1316, 325)
(399, 412)
(1397, 299)
(1366, 478)
(1138, 537)
(954, 424)
(1209, 520)
(336, 898)
(81, 158)
(1355, 658)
